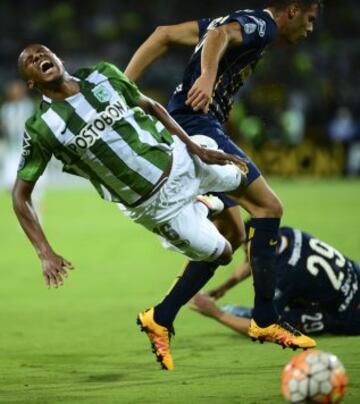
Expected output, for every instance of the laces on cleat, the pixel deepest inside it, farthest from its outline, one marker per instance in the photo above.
(288, 327)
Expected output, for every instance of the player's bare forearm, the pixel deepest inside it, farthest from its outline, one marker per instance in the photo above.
(199, 96)
(242, 272)
(238, 324)
(27, 216)
(151, 50)
(54, 266)
(205, 305)
(214, 48)
(207, 155)
(158, 43)
(236, 277)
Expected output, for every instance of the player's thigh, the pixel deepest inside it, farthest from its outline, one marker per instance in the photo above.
(191, 233)
(260, 200)
(231, 225)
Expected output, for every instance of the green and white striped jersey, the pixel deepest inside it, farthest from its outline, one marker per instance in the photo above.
(100, 134)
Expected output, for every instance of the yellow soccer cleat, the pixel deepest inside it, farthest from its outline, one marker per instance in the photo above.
(281, 333)
(159, 337)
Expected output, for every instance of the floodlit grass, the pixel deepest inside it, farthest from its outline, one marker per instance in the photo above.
(80, 343)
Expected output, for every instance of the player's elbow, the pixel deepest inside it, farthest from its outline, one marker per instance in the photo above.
(163, 34)
(219, 34)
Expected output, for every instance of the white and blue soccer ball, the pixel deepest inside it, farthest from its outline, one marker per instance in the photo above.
(314, 377)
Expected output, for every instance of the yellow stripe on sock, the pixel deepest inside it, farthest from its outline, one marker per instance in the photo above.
(248, 244)
(177, 279)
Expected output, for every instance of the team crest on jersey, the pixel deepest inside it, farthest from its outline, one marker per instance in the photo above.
(250, 28)
(261, 25)
(102, 93)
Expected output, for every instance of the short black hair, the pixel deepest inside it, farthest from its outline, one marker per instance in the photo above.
(303, 4)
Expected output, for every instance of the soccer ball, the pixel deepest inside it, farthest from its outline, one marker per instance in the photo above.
(314, 377)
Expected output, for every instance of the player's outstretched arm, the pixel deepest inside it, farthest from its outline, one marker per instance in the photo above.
(215, 45)
(206, 155)
(54, 266)
(240, 274)
(159, 43)
(205, 305)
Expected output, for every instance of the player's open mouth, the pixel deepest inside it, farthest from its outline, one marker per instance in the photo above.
(46, 65)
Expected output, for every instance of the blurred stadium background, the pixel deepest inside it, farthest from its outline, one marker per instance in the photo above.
(298, 115)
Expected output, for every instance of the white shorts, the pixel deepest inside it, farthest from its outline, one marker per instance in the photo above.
(175, 215)
(191, 233)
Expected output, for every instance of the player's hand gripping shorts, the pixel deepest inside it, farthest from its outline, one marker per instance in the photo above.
(175, 215)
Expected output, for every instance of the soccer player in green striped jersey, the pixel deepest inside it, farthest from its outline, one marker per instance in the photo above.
(98, 124)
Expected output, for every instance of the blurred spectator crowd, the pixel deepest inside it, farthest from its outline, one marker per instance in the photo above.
(307, 92)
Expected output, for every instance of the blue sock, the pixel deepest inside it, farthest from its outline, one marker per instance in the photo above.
(263, 240)
(194, 277)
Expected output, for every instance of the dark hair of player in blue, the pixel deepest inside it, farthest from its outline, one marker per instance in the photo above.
(303, 4)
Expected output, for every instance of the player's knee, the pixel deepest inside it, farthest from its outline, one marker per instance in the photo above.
(273, 208)
(276, 208)
(231, 230)
(226, 256)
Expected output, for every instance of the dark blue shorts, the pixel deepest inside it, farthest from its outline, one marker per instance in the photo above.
(208, 126)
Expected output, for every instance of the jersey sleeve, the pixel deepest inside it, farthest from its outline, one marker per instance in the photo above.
(127, 87)
(203, 25)
(255, 30)
(34, 157)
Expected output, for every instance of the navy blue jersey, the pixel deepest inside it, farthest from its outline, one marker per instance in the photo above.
(316, 320)
(238, 63)
(311, 273)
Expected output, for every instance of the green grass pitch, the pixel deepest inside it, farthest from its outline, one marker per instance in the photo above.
(80, 343)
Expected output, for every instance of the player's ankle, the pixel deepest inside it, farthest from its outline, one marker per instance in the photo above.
(265, 317)
(161, 318)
